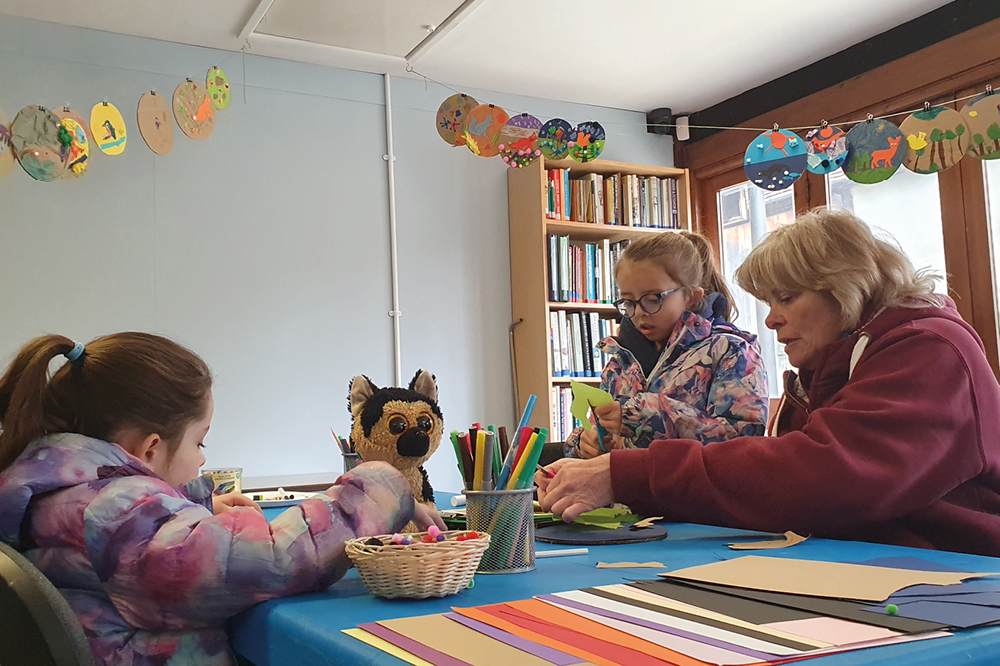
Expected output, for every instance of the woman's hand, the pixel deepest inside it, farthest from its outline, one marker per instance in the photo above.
(590, 446)
(223, 503)
(425, 516)
(577, 487)
(610, 416)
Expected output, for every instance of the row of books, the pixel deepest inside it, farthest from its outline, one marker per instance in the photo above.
(563, 420)
(617, 199)
(573, 338)
(583, 272)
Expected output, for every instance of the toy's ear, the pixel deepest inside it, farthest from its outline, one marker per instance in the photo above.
(361, 389)
(424, 384)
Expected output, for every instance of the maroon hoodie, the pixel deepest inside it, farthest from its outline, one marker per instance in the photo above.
(906, 450)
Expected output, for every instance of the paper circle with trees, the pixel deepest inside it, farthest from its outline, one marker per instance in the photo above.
(586, 141)
(936, 139)
(875, 150)
(982, 115)
(108, 127)
(826, 149)
(519, 140)
(6, 150)
(193, 110)
(78, 149)
(482, 132)
(218, 88)
(452, 116)
(554, 138)
(775, 160)
(35, 137)
(66, 112)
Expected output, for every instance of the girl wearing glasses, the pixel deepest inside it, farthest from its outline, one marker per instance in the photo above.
(678, 368)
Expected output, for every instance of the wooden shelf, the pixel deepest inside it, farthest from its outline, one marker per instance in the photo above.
(582, 380)
(585, 307)
(595, 232)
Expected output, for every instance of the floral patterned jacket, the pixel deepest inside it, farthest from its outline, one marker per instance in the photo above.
(150, 571)
(707, 384)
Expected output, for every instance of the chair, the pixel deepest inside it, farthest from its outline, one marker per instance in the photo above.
(37, 626)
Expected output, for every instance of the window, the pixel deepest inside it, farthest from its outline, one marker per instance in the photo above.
(992, 169)
(747, 214)
(907, 206)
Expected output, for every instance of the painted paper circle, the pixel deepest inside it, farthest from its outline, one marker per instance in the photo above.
(936, 139)
(6, 150)
(826, 149)
(452, 116)
(775, 160)
(109, 129)
(482, 132)
(77, 152)
(193, 110)
(553, 139)
(875, 150)
(35, 139)
(519, 140)
(66, 112)
(586, 141)
(218, 88)
(155, 123)
(982, 115)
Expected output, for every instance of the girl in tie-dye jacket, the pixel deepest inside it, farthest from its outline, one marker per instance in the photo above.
(678, 369)
(149, 560)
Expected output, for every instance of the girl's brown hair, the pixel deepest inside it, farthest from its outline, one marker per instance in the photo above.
(687, 258)
(124, 380)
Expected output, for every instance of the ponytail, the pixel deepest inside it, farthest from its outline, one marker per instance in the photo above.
(22, 395)
(125, 380)
(712, 280)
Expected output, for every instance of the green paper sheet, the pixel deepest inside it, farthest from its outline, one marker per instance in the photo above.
(586, 396)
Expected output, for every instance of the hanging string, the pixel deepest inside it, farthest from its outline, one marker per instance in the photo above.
(989, 90)
(243, 50)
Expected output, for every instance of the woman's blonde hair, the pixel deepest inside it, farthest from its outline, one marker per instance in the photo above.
(687, 258)
(835, 251)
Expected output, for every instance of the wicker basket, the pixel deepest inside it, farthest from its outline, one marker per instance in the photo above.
(419, 570)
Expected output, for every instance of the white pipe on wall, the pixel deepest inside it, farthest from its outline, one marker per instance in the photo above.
(389, 158)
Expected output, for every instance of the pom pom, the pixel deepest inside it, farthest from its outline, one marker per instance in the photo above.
(397, 538)
(433, 531)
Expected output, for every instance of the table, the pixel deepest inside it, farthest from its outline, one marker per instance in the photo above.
(306, 630)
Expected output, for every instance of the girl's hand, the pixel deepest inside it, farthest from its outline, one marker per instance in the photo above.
(578, 486)
(223, 503)
(590, 446)
(610, 416)
(425, 516)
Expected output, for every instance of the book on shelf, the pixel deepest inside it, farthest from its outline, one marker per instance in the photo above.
(613, 199)
(581, 272)
(573, 338)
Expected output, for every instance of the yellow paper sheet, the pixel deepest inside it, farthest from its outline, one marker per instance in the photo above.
(817, 579)
(586, 396)
(789, 539)
(386, 647)
(458, 641)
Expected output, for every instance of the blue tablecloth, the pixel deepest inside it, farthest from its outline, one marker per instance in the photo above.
(306, 630)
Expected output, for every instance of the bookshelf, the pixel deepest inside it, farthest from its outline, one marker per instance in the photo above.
(527, 195)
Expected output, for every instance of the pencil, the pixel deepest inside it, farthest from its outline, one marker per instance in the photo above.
(337, 439)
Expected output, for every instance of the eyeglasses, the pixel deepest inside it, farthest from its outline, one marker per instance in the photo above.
(650, 303)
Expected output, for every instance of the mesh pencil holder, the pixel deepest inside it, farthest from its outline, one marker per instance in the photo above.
(508, 516)
(420, 570)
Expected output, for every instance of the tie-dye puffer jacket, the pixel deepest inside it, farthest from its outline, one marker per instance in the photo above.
(708, 383)
(150, 571)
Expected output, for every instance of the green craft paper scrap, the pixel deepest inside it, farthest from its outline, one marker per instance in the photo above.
(606, 517)
(585, 396)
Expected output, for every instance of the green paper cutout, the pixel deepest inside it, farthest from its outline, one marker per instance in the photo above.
(606, 517)
(586, 396)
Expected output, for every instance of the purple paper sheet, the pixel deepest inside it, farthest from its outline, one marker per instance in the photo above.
(412, 646)
(673, 631)
(523, 644)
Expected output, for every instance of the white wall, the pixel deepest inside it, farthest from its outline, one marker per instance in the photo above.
(265, 248)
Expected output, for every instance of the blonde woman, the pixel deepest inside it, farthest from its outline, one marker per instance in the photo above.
(889, 432)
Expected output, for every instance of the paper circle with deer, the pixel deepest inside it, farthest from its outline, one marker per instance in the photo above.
(453, 116)
(6, 150)
(193, 110)
(826, 149)
(482, 133)
(982, 115)
(875, 150)
(936, 139)
(586, 141)
(775, 160)
(38, 144)
(519, 140)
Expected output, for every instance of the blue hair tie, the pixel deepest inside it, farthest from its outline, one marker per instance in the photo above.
(75, 353)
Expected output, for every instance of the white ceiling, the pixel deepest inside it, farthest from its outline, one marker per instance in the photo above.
(634, 54)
